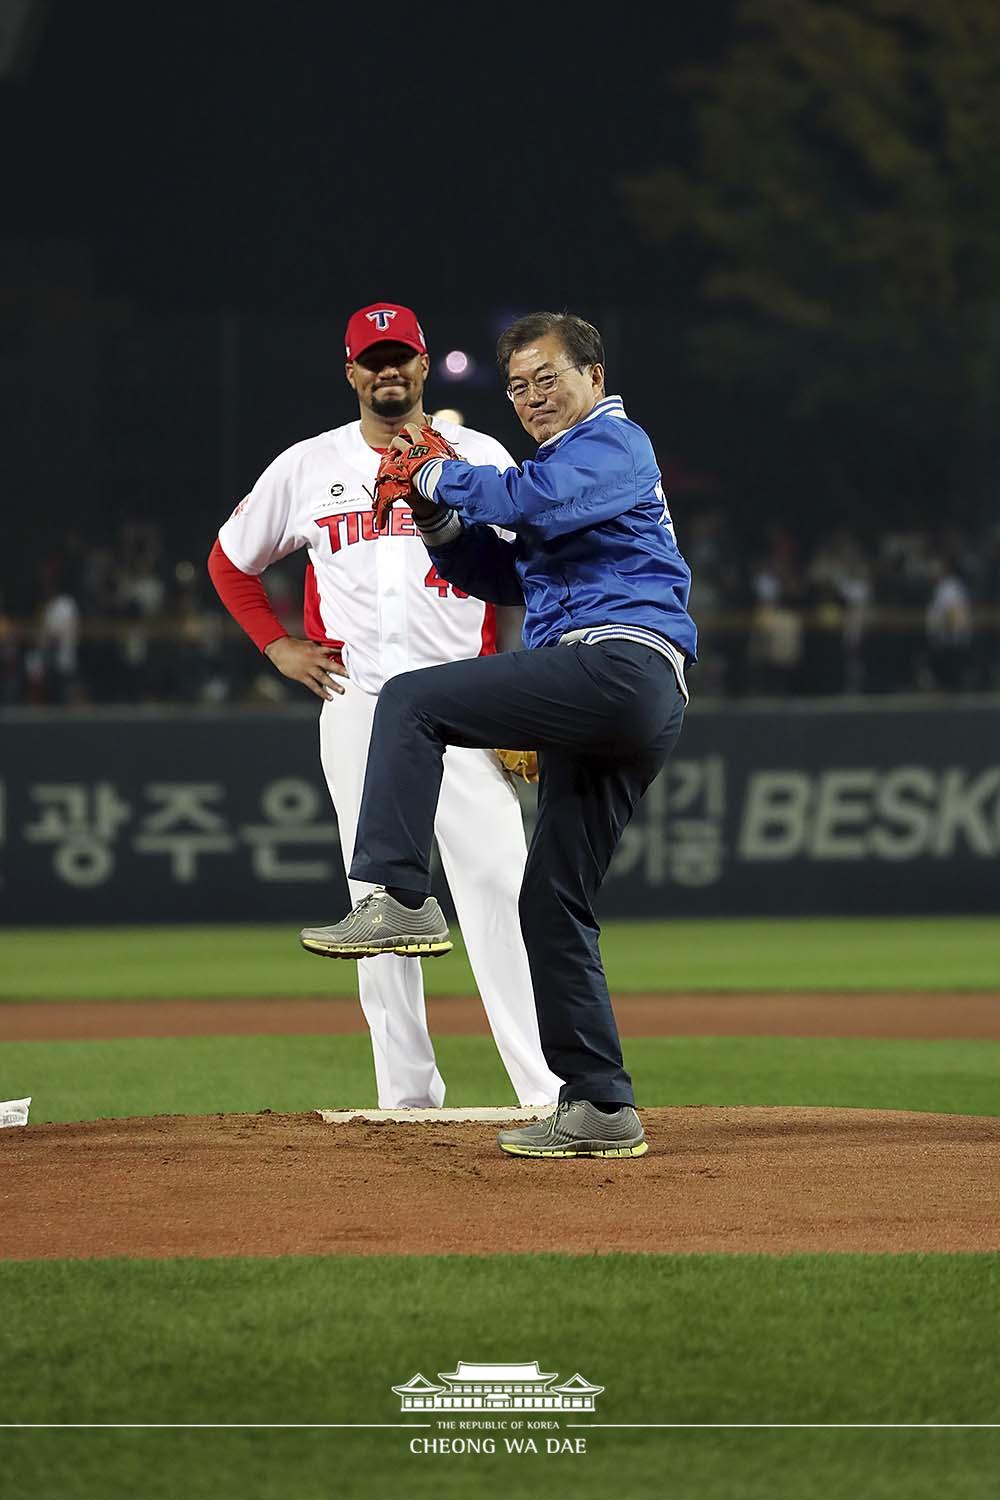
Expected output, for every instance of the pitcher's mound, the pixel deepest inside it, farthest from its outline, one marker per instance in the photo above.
(747, 1180)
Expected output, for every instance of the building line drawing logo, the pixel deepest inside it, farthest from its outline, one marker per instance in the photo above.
(497, 1388)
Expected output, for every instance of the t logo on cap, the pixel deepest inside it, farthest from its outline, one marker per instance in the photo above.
(380, 322)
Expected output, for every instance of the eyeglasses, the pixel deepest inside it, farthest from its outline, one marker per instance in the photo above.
(518, 390)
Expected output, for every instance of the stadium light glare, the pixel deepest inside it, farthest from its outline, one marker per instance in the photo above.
(457, 364)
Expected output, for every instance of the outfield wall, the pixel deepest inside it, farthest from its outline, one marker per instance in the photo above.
(792, 808)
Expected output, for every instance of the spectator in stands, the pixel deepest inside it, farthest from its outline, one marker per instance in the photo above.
(949, 623)
(838, 590)
(777, 625)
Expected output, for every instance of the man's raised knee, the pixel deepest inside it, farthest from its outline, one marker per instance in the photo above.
(398, 695)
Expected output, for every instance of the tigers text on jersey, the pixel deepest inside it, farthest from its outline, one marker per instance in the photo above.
(376, 594)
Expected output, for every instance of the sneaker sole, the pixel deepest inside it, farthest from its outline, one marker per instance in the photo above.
(601, 1151)
(423, 948)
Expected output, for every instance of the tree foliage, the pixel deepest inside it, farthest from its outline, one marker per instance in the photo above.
(848, 159)
(843, 199)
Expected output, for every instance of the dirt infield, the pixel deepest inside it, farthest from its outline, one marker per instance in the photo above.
(762, 1180)
(737, 1180)
(819, 1014)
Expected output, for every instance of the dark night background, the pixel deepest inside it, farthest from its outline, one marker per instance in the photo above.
(277, 167)
(295, 159)
(794, 263)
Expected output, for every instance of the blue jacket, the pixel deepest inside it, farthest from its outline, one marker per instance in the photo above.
(593, 540)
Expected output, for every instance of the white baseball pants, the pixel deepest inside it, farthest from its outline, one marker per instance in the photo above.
(480, 838)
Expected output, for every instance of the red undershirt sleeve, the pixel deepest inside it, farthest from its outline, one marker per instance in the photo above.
(246, 599)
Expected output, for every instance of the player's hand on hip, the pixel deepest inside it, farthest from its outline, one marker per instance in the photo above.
(316, 667)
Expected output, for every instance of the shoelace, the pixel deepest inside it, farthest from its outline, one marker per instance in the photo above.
(379, 890)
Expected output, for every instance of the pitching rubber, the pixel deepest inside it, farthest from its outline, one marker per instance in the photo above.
(482, 1114)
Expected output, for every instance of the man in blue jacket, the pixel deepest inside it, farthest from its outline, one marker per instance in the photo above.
(582, 536)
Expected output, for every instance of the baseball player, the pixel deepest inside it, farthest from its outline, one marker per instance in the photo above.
(376, 606)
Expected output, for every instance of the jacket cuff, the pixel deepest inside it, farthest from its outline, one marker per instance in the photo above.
(440, 529)
(426, 478)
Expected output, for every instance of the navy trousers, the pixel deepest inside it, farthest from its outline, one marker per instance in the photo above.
(603, 719)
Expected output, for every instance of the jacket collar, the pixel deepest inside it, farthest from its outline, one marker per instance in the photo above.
(608, 406)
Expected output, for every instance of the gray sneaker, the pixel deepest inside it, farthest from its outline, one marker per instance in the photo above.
(579, 1129)
(380, 924)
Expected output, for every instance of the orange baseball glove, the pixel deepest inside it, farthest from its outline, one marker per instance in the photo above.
(410, 449)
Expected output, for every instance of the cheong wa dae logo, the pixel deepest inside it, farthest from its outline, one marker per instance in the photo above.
(498, 1389)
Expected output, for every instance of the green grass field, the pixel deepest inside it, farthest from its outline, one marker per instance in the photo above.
(208, 962)
(932, 1464)
(203, 1075)
(705, 1339)
(872, 1354)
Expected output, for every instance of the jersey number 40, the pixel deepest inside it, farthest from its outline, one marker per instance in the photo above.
(435, 581)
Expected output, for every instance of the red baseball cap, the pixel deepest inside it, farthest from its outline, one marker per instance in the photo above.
(381, 323)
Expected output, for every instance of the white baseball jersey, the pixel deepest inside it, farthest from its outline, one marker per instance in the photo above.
(374, 595)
